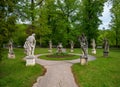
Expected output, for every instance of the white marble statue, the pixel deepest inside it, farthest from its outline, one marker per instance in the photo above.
(30, 45)
(59, 47)
(72, 46)
(50, 46)
(93, 46)
(10, 46)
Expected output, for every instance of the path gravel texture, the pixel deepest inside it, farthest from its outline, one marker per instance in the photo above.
(58, 73)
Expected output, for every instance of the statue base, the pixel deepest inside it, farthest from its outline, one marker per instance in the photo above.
(30, 60)
(71, 50)
(93, 51)
(83, 61)
(105, 54)
(50, 51)
(11, 55)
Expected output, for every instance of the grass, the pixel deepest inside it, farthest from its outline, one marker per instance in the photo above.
(59, 57)
(14, 73)
(41, 50)
(103, 72)
(52, 57)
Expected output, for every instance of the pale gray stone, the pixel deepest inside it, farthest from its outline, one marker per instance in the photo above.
(30, 45)
(93, 46)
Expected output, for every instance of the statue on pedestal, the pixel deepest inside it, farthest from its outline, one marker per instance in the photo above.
(72, 46)
(106, 47)
(59, 48)
(29, 49)
(10, 47)
(84, 47)
(93, 46)
(50, 46)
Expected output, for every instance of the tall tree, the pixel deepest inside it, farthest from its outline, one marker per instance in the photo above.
(42, 27)
(7, 21)
(115, 23)
(61, 19)
(90, 13)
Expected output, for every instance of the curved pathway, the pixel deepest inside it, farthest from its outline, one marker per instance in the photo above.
(58, 73)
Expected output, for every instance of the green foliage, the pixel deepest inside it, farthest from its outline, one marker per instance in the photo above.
(58, 19)
(116, 21)
(91, 11)
(109, 34)
(7, 21)
(20, 34)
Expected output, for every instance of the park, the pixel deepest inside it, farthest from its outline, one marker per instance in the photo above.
(59, 43)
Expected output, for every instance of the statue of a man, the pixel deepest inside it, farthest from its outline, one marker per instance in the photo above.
(93, 46)
(84, 45)
(106, 45)
(72, 45)
(30, 45)
(50, 45)
(10, 45)
(59, 47)
(93, 43)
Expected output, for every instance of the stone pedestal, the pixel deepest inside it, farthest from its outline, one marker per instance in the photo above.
(105, 54)
(30, 60)
(11, 56)
(50, 51)
(83, 61)
(93, 51)
(71, 50)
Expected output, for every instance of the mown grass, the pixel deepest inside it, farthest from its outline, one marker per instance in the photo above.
(14, 73)
(103, 72)
(58, 58)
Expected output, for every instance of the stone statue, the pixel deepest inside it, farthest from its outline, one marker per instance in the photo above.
(106, 47)
(72, 46)
(93, 46)
(50, 46)
(30, 45)
(10, 47)
(59, 47)
(84, 45)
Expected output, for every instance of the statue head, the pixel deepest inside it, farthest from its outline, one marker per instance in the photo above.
(33, 34)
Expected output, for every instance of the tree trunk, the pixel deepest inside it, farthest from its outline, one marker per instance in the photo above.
(32, 12)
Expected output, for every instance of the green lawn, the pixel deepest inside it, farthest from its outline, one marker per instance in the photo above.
(65, 57)
(103, 72)
(14, 73)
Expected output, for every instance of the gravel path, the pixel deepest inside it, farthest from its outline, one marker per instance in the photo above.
(58, 73)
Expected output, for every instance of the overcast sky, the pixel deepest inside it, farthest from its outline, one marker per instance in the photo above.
(106, 18)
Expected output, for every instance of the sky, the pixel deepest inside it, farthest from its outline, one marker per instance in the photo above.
(106, 18)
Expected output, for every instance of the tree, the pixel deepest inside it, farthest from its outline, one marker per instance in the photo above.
(7, 21)
(61, 18)
(115, 23)
(89, 18)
